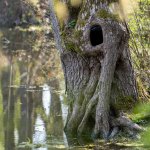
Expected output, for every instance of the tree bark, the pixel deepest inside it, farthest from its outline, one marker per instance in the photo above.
(100, 81)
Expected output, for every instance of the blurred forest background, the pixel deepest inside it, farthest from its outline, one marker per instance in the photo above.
(33, 15)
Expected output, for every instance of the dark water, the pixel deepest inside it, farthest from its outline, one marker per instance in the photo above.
(32, 104)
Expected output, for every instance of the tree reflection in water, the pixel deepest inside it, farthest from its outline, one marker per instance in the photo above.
(32, 114)
(8, 96)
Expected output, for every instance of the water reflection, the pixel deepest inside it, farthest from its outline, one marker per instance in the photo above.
(8, 96)
(39, 131)
(25, 125)
(55, 120)
(46, 99)
(32, 110)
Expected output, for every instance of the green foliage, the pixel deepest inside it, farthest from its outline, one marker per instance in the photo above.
(77, 33)
(70, 38)
(141, 115)
(70, 46)
(82, 22)
(139, 43)
(146, 137)
(72, 24)
(141, 112)
(105, 15)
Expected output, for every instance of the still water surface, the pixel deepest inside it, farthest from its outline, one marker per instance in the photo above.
(33, 110)
(32, 114)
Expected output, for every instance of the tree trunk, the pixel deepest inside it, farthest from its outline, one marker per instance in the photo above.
(99, 77)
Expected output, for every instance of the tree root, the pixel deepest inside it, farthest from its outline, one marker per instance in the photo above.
(116, 125)
(123, 121)
(114, 132)
(90, 105)
(128, 126)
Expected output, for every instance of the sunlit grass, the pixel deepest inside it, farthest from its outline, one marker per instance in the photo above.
(146, 137)
(140, 113)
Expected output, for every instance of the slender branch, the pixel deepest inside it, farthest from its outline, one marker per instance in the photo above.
(55, 27)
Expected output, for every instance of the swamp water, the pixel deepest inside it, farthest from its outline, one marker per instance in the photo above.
(33, 109)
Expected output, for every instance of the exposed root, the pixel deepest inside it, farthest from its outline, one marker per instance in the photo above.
(91, 104)
(133, 134)
(102, 125)
(114, 132)
(123, 121)
(125, 124)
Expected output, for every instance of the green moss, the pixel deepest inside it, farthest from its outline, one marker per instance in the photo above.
(70, 46)
(121, 102)
(105, 14)
(81, 22)
(63, 34)
(71, 38)
(77, 34)
(124, 103)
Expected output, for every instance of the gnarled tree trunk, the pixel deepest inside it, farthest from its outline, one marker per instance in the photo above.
(97, 68)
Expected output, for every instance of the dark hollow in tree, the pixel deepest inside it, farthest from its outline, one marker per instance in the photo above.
(96, 35)
(96, 85)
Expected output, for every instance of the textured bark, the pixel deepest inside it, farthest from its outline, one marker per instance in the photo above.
(97, 77)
